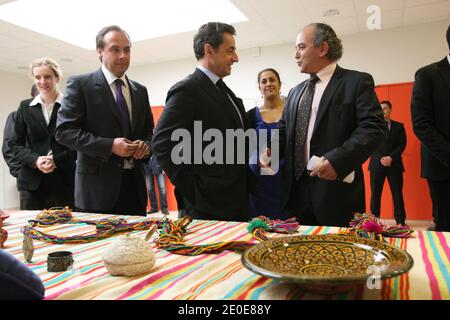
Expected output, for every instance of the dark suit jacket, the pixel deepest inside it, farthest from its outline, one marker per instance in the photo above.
(349, 127)
(430, 111)
(393, 146)
(88, 122)
(34, 139)
(9, 134)
(217, 191)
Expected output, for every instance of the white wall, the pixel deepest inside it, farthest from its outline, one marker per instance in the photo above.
(391, 56)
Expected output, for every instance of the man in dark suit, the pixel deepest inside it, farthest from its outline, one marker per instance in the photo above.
(9, 134)
(387, 162)
(106, 117)
(430, 111)
(217, 190)
(336, 117)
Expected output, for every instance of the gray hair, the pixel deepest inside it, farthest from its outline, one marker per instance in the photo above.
(324, 33)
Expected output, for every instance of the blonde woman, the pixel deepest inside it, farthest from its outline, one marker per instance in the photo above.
(46, 176)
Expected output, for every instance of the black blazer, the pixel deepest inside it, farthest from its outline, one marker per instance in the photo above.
(217, 191)
(430, 111)
(34, 139)
(88, 122)
(349, 127)
(9, 134)
(393, 146)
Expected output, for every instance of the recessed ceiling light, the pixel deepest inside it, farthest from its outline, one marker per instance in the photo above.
(141, 19)
(22, 67)
(66, 59)
(331, 13)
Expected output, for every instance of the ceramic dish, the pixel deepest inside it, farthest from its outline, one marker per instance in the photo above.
(326, 262)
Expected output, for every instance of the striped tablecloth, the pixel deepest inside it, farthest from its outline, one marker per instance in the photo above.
(220, 276)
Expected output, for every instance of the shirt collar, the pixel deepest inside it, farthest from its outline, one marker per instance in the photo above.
(110, 78)
(211, 75)
(448, 58)
(326, 73)
(38, 99)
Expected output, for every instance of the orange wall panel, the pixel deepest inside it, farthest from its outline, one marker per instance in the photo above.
(171, 200)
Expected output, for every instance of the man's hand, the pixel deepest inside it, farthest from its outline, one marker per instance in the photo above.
(45, 164)
(142, 150)
(324, 171)
(386, 161)
(123, 147)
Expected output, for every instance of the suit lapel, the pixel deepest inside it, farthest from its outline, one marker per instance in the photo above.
(444, 71)
(240, 107)
(54, 112)
(106, 95)
(134, 106)
(38, 116)
(52, 121)
(214, 92)
(328, 94)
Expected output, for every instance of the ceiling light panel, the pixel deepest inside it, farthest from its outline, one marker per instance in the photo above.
(78, 21)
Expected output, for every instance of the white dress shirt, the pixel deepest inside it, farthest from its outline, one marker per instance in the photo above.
(324, 76)
(47, 109)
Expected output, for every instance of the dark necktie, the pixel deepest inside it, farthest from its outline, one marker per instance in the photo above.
(301, 126)
(123, 108)
(223, 88)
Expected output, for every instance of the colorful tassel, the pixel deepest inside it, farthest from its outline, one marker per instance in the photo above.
(366, 225)
(171, 237)
(104, 227)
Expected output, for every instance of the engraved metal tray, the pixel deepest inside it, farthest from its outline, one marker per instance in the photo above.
(326, 260)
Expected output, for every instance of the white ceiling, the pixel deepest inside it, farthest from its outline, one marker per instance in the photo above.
(270, 22)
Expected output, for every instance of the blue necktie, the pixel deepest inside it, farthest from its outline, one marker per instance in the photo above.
(123, 108)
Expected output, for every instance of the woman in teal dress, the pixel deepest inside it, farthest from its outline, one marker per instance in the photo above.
(265, 198)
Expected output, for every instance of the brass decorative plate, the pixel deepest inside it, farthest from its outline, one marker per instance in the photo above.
(326, 260)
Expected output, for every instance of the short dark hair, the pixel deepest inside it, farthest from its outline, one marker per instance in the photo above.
(212, 33)
(387, 102)
(448, 37)
(100, 39)
(325, 33)
(271, 70)
(34, 91)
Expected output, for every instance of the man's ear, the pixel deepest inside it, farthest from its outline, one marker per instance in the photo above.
(99, 54)
(324, 48)
(208, 49)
